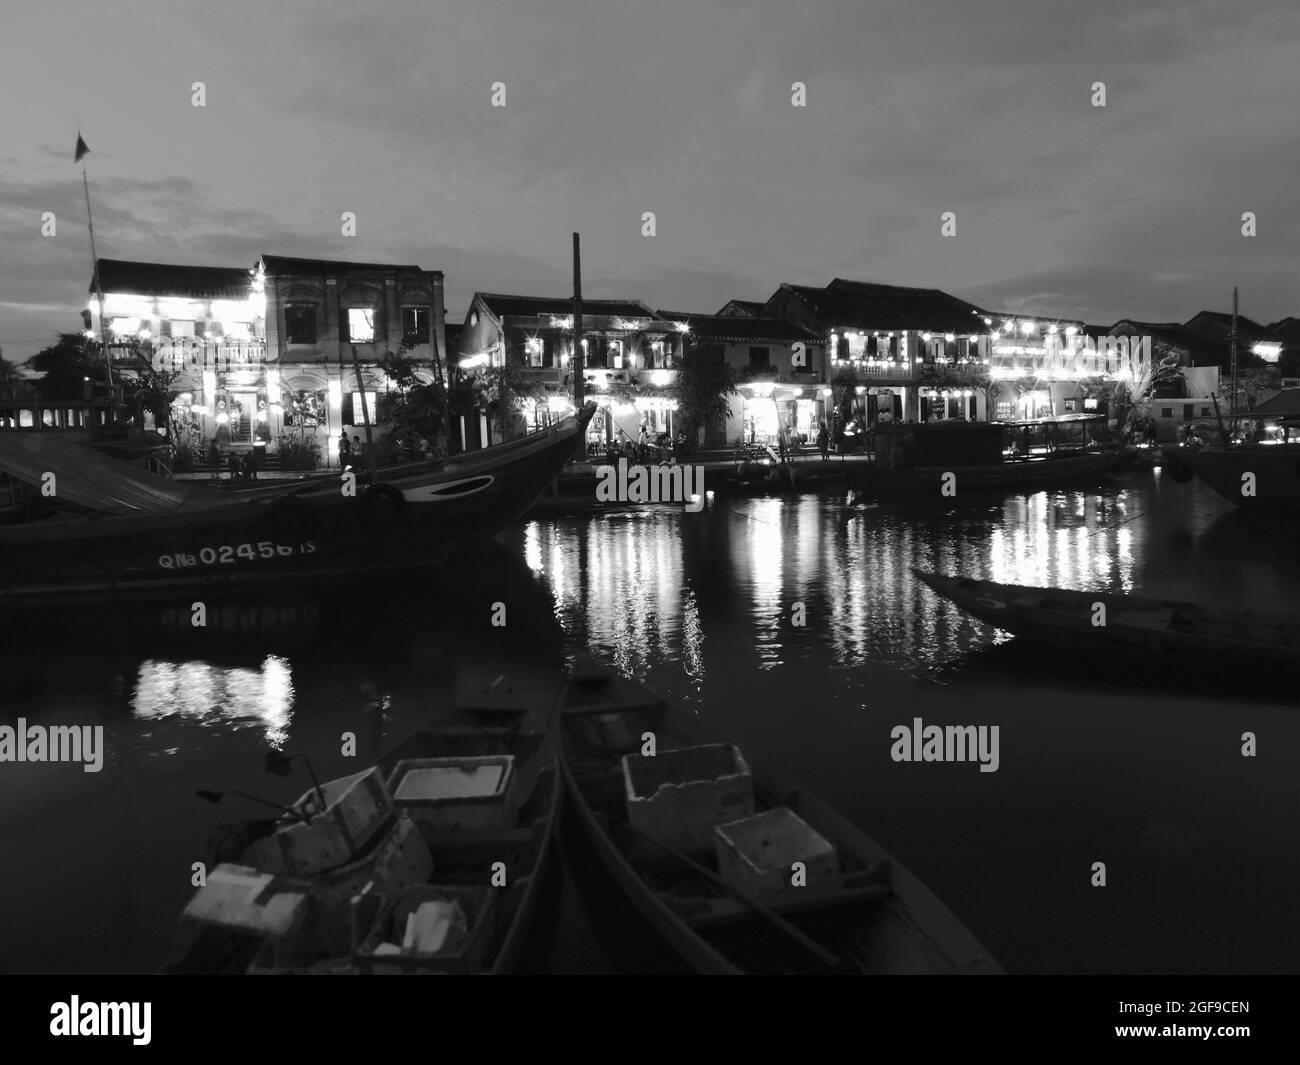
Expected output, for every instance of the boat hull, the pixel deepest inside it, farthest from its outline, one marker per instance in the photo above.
(1276, 470)
(1043, 472)
(419, 517)
(908, 931)
(1181, 635)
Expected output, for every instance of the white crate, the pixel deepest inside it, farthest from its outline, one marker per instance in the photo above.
(677, 797)
(757, 854)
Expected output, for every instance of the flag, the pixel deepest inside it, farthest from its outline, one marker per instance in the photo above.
(81, 149)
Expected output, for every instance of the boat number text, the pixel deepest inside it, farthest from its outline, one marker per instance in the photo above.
(228, 555)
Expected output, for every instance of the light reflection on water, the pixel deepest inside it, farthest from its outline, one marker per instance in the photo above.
(199, 693)
(646, 588)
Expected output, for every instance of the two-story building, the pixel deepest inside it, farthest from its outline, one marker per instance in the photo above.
(257, 353)
(628, 353)
(913, 353)
(781, 370)
(321, 313)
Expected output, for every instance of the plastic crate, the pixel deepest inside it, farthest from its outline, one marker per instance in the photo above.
(477, 903)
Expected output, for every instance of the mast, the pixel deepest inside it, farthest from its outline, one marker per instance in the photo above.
(1232, 410)
(99, 291)
(578, 399)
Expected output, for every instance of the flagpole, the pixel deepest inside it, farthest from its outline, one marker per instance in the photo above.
(99, 291)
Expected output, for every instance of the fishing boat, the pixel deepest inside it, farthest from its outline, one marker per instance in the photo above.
(736, 866)
(1263, 473)
(117, 530)
(1181, 635)
(1259, 470)
(430, 861)
(954, 456)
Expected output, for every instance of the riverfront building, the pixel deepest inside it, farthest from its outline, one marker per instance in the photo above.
(264, 354)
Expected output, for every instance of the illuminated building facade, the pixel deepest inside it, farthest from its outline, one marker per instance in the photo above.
(264, 354)
(628, 353)
(781, 368)
(905, 353)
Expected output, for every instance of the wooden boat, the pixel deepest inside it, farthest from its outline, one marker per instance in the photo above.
(868, 915)
(268, 908)
(1275, 468)
(984, 455)
(124, 531)
(1185, 636)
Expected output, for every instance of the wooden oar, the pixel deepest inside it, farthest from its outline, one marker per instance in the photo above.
(823, 957)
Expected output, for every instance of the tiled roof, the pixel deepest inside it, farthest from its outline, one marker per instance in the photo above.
(753, 308)
(1285, 402)
(740, 328)
(531, 306)
(875, 306)
(165, 279)
(1220, 318)
(1173, 333)
(286, 266)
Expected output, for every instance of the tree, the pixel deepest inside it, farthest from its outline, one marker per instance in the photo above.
(501, 390)
(702, 389)
(12, 384)
(1134, 393)
(64, 367)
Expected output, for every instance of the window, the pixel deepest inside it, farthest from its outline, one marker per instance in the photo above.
(1187, 412)
(1166, 412)
(352, 412)
(1205, 412)
(616, 354)
(360, 323)
(415, 325)
(758, 358)
(181, 329)
(300, 324)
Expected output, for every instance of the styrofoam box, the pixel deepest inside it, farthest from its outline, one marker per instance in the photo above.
(450, 794)
(677, 797)
(356, 807)
(757, 854)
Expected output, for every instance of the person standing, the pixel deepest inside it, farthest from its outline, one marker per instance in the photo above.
(642, 439)
(345, 452)
(823, 439)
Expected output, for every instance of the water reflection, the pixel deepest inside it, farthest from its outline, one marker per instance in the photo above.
(198, 693)
(647, 588)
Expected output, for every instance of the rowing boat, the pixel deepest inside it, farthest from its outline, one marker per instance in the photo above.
(736, 866)
(1178, 634)
(339, 893)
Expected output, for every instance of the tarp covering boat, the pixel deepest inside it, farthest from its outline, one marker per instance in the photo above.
(91, 479)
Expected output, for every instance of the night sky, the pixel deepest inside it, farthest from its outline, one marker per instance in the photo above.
(678, 107)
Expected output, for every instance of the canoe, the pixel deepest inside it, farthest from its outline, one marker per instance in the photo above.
(1178, 634)
(126, 532)
(854, 911)
(268, 909)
